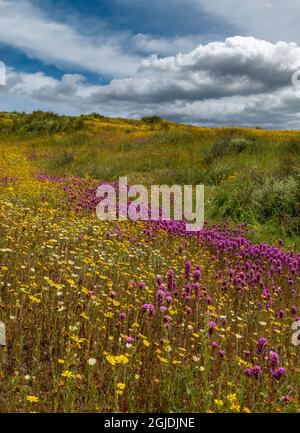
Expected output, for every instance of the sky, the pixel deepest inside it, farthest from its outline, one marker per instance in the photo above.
(210, 63)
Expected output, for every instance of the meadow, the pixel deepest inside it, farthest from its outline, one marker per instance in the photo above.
(105, 316)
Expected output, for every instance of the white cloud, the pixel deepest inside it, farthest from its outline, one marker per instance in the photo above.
(273, 20)
(239, 66)
(241, 81)
(23, 26)
(163, 46)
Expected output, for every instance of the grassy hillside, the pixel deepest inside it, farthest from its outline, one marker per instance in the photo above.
(249, 174)
(134, 316)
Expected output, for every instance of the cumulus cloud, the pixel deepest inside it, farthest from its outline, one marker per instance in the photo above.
(238, 66)
(242, 80)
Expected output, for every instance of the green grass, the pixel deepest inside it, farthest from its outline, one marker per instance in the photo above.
(66, 277)
(250, 175)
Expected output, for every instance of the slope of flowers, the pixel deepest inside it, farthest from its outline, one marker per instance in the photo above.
(134, 316)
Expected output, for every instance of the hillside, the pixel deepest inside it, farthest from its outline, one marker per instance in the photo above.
(142, 316)
(250, 175)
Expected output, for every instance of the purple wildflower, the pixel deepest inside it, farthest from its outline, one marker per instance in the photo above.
(169, 299)
(211, 327)
(256, 371)
(159, 280)
(148, 307)
(247, 372)
(294, 310)
(261, 343)
(286, 399)
(274, 359)
(160, 296)
(221, 353)
(278, 373)
(129, 340)
(280, 314)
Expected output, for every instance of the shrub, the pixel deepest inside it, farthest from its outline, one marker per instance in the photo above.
(151, 119)
(229, 145)
(276, 197)
(40, 123)
(239, 145)
(290, 158)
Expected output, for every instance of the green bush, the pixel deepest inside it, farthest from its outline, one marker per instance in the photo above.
(217, 174)
(151, 119)
(276, 197)
(40, 123)
(290, 158)
(228, 203)
(228, 145)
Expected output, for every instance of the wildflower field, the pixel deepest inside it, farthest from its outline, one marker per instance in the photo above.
(108, 316)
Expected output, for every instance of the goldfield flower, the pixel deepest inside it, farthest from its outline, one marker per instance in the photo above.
(120, 388)
(149, 300)
(67, 374)
(32, 399)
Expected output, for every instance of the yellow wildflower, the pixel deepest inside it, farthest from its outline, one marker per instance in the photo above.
(67, 373)
(32, 399)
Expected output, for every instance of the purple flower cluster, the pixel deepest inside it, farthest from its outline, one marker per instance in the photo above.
(148, 308)
(262, 342)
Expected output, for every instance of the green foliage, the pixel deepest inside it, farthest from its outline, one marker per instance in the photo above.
(177, 137)
(276, 197)
(290, 158)
(249, 175)
(151, 119)
(227, 144)
(40, 123)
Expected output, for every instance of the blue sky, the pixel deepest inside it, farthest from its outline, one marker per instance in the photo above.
(213, 63)
(94, 18)
(165, 18)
